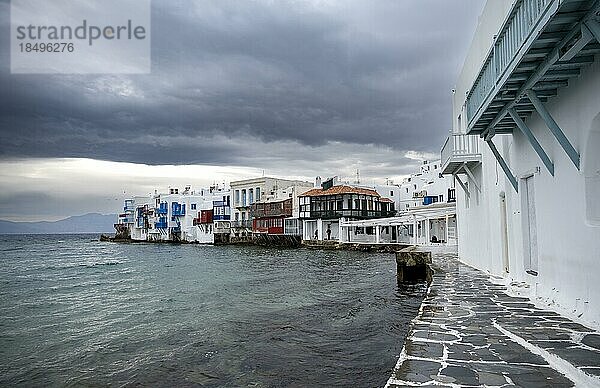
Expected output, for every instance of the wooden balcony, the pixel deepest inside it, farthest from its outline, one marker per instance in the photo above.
(540, 46)
(459, 150)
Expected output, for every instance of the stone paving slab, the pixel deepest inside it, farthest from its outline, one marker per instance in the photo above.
(470, 332)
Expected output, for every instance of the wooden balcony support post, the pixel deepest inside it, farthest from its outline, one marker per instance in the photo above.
(554, 128)
(464, 187)
(502, 162)
(594, 28)
(471, 176)
(532, 140)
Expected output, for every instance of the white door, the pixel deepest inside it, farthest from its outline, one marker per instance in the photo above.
(529, 226)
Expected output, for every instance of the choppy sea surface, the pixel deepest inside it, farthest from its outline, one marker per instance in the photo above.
(78, 312)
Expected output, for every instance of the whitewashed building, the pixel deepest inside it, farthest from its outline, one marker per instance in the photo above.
(425, 187)
(188, 215)
(525, 150)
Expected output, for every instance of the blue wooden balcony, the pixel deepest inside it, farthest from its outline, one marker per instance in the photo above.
(177, 209)
(540, 46)
(161, 224)
(162, 208)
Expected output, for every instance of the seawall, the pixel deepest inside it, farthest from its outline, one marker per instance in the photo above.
(363, 247)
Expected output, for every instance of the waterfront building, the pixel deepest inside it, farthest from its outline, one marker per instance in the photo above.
(269, 216)
(323, 208)
(278, 211)
(248, 191)
(187, 215)
(221, 217)
(125, 220)
(525, 150)
(144, 214)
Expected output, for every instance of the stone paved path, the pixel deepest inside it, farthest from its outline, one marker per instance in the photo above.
(471, 333)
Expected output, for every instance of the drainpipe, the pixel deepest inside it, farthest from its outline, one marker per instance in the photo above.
(504, 231)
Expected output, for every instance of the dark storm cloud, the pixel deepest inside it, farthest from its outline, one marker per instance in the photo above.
(301, 72)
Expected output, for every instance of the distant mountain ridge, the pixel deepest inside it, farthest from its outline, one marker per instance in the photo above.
(86, 223)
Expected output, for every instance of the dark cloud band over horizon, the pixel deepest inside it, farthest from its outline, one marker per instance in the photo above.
(301, 73)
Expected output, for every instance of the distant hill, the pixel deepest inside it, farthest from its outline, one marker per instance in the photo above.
(87, 223)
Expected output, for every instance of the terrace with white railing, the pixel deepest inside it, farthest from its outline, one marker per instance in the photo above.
(460, 149)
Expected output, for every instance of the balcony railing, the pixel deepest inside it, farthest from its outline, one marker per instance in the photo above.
(162, 209)
(128, 205)
(522, 21)
(459, 149)
(177, 209)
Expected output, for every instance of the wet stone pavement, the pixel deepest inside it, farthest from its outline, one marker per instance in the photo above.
(469, 332)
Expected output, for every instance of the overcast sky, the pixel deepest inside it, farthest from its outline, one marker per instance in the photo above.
(293, 88)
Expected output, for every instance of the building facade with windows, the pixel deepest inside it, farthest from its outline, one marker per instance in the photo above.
(322, 209)
(269, 216)
(525, 150)
(249, 191)
(175, 215)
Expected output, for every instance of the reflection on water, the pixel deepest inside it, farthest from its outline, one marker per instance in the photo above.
(75, 311)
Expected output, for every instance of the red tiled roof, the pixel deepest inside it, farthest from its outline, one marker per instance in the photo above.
(335, 190)
(385, 200)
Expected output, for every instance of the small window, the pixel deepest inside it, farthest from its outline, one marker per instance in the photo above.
(391, 193)
(193, 206)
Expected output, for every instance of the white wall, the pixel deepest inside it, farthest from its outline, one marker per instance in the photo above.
(568, 242)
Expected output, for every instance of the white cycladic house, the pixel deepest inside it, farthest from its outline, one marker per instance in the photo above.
(525, 150)
(425, 187)
(179, 216)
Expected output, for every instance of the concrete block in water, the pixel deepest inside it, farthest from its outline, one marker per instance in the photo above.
(413, 265)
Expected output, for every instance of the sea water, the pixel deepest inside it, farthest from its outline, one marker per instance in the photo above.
(75, 311)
